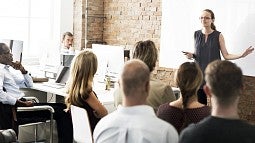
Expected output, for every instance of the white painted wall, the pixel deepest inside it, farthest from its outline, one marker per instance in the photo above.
(234, 18)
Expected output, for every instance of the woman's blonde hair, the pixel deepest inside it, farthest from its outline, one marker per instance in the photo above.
(83, 69)
(147, 52)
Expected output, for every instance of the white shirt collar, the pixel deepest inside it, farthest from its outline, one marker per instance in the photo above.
(2, 66)
(139, 109)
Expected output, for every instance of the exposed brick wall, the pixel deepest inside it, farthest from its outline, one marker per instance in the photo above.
(127, 21)
(78, 27)
(247, 100)
(95, 22)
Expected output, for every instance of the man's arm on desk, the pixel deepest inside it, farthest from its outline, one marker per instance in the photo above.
(20, 103)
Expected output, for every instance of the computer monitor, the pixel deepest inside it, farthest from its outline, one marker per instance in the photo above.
(126, 55)
(62, 74)
(110, 60)
(66, 59)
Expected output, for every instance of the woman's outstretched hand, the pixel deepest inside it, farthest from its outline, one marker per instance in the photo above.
(247, 51)
(188, 55)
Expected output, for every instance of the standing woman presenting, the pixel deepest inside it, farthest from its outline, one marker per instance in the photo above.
(208, 44)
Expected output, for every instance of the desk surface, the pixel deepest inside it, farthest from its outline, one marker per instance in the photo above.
(105, 96)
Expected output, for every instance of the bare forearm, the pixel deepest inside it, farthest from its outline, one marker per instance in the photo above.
(101, 112)
(232, 56)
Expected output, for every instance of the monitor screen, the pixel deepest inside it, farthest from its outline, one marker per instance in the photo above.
(66, 59)
(62, 74)
(110, 59)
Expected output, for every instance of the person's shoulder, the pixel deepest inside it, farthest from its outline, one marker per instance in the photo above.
(165, 107)
(2, 66)
(198, 31)
(106, 120)
(163, 125)
(161, 89)
(196, 127)
(158, 83)
(191, 133)
(204, 108)
(168, 129)
(217, 32)
(245, 125)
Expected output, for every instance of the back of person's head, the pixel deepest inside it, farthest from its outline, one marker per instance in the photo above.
(83, 69)
(189, 78)
(224, 78)
(147, 52)
(134, 78)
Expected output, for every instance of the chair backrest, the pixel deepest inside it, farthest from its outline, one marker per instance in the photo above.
(17, 48)
(81, 126)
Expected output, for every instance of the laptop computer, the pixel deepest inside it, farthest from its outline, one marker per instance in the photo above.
(61, 78)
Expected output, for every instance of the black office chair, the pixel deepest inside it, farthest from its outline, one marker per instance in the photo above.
(8, 136)
(8, 114)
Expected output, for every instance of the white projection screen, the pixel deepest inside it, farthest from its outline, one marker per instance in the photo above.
(235, 19)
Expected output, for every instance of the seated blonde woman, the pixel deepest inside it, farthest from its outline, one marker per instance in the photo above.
(186, 109)
(80, 91)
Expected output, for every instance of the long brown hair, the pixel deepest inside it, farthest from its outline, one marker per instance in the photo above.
(189, 78)
(83, 69)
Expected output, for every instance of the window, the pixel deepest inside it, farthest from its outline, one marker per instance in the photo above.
(38, 23)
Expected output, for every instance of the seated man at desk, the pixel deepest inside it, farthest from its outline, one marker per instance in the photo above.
(67, 51)
(10, 94)
(67, 43)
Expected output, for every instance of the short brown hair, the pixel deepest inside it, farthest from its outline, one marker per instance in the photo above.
(66, 34)
(225, 80)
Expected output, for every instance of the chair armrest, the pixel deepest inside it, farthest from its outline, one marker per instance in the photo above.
(36, 108)
(8, 135)
(31, 98)
(40, 108)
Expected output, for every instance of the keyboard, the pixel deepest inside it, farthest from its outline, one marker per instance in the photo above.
(54, 85)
